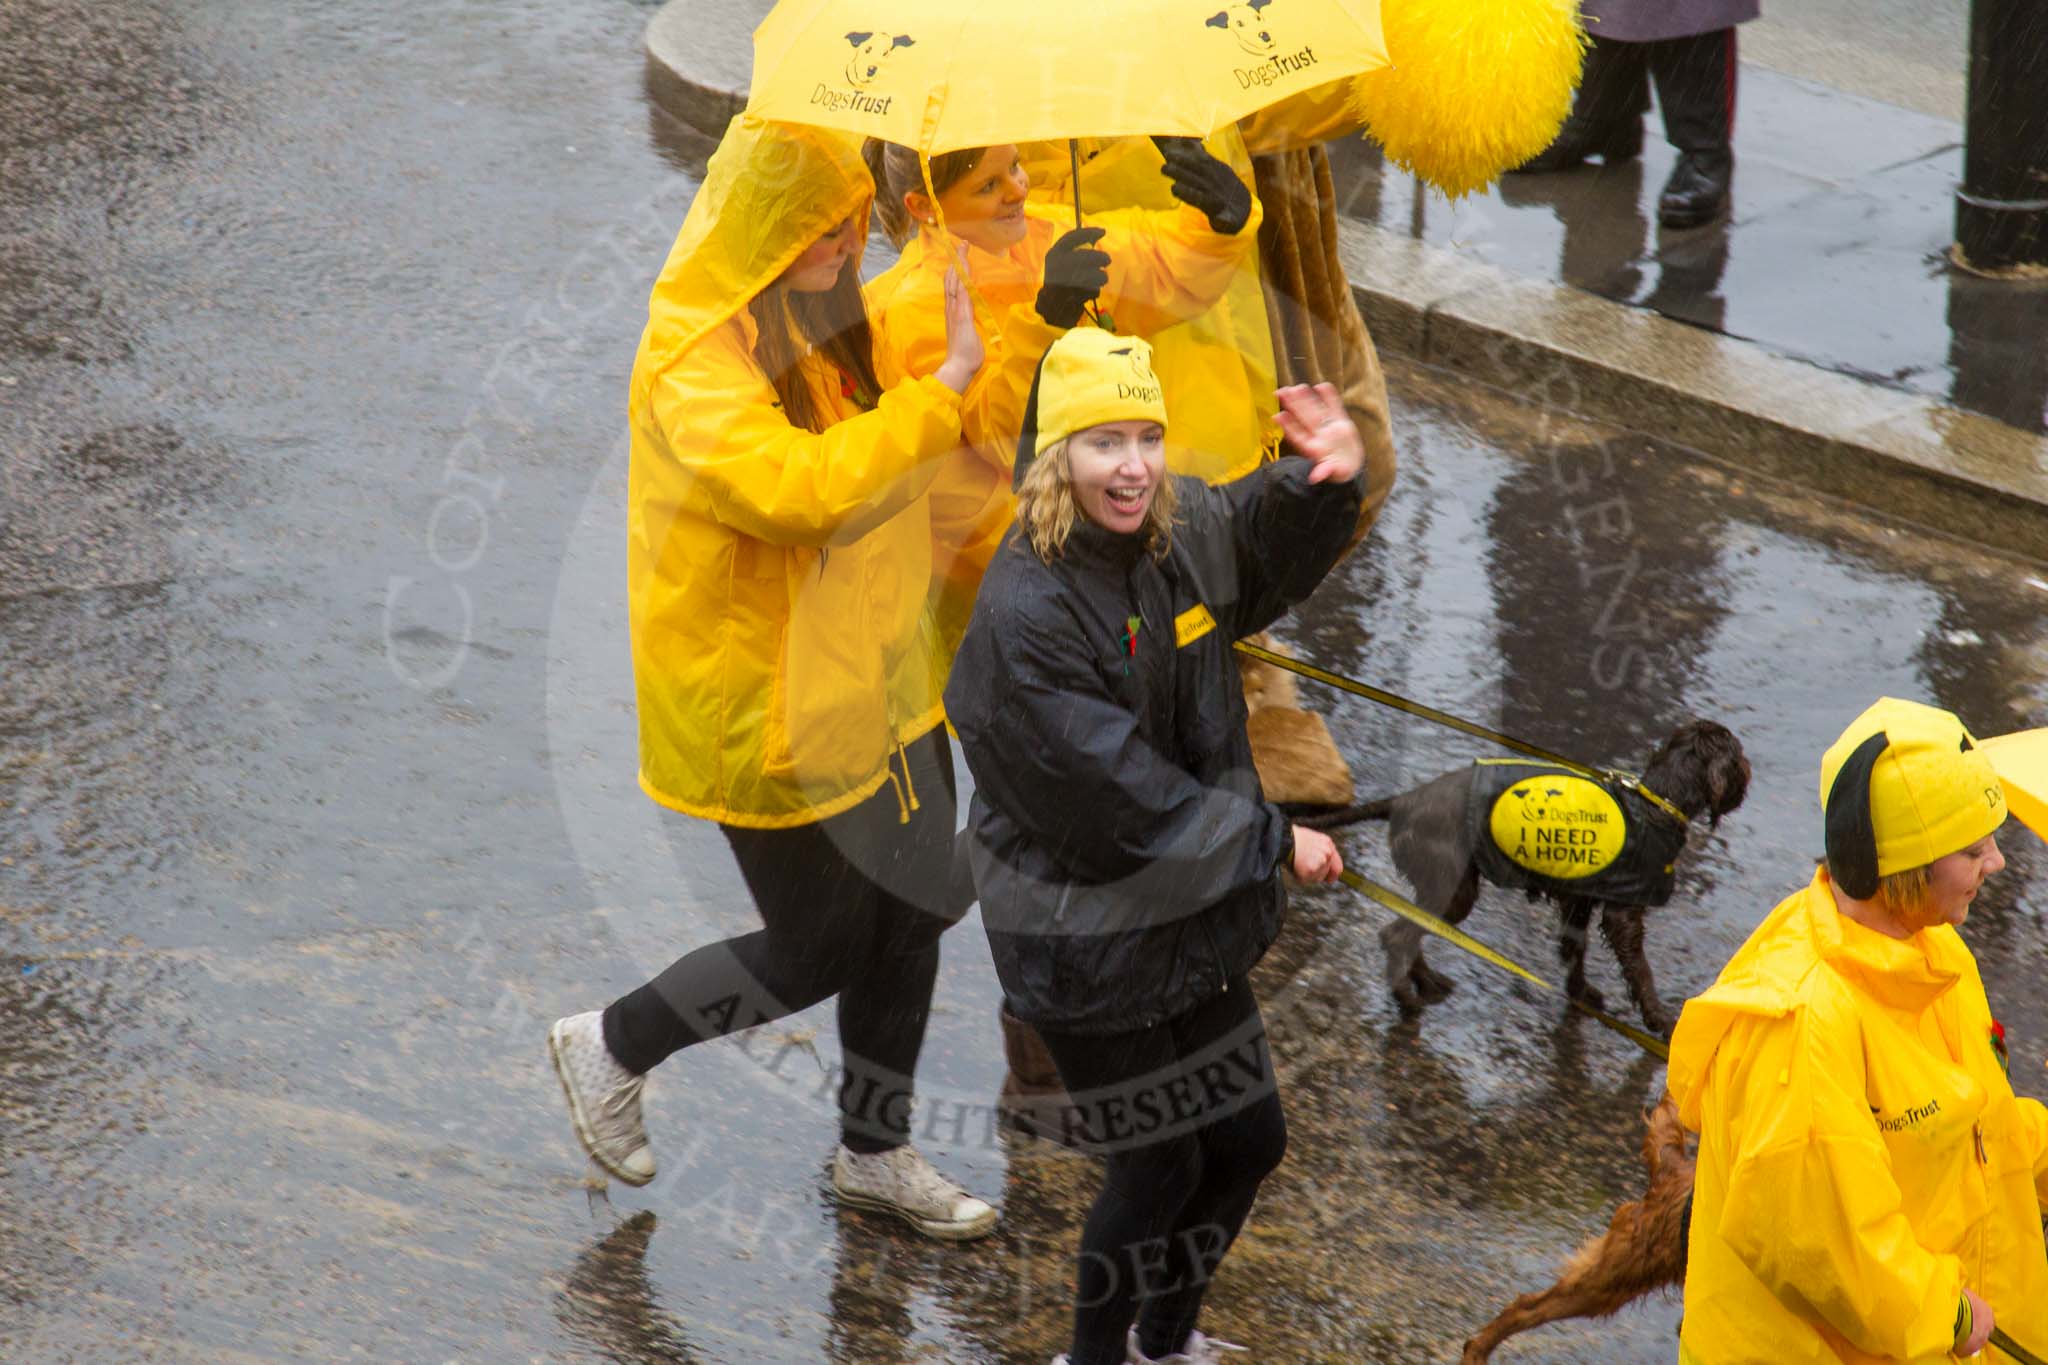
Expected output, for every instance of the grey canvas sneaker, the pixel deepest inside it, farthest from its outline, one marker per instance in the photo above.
(902, 1182)
(604, 1098)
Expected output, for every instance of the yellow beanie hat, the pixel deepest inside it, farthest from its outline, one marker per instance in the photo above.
(1089, 377)
(1904, 785)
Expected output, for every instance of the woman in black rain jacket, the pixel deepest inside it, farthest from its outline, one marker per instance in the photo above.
(1127, 862)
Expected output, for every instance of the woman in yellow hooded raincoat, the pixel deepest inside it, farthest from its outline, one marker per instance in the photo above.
(779, 562)
(1869, 1187)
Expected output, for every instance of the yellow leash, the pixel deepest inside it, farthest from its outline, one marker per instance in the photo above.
(1416, 915)
(1430, 713)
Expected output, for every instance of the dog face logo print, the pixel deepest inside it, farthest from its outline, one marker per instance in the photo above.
(871, 52)
(1558, 826)
(866, 66)
(1143, 385)
(1254, 32)
(1140, 361)
(1246, 23)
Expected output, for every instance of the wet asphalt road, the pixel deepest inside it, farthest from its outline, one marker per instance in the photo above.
(316, 763)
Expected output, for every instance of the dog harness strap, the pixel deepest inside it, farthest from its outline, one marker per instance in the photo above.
(1430, 713)
(1635, 784)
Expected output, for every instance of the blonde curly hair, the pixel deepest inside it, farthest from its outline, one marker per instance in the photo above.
(1047, 508)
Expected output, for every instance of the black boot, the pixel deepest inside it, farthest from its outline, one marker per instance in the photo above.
(1697, 190)
(1607, 112)
(1576, 141)
(1696, 85)
(1033, 1099)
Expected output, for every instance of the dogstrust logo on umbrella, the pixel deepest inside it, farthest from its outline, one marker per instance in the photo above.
(938, 76)
(867, 66)
(1248, 24)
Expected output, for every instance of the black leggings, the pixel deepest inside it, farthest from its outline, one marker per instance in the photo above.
(1187, 1115)
(852, 906)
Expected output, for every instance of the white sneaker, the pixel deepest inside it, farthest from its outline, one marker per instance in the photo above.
(902, 1182)
(604, 1098)
(1200, 1350)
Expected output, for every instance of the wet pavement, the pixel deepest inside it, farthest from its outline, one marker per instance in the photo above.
(1834, 252)
(1904, 52)
(317, 799)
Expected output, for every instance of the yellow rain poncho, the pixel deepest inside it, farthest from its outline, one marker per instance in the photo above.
(1164, 266)
(778, 578)
(1862, 1155)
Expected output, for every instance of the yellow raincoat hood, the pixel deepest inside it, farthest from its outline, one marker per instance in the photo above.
(1862, 1154)
(769, 191)
(782, 652)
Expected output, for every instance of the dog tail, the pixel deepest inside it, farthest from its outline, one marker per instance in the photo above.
(1328, 818)
(1643, 1250)
(1664, 1141)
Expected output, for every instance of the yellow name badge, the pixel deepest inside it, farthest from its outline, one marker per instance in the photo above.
(1191, 625)
(1558, 825)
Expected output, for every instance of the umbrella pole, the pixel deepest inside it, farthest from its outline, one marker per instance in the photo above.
(924, 165)
(1074, 159)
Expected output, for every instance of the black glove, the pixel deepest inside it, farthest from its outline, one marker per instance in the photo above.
(1075, 272)
(1199, 179)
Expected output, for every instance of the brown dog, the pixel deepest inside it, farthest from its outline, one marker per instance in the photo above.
(1699, 769)
(1643, 1248)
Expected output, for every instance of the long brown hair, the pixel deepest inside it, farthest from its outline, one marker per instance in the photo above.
(897, 173)
(835, 324)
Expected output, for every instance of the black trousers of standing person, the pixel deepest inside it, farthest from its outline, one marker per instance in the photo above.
(851, 906)
(1187, 1116)
(1695, 79)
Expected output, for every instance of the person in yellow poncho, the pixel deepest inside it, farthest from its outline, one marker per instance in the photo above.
(1869, 1187)
(779, 562)
(1034, 275)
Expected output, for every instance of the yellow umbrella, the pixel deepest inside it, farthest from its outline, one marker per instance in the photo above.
(2021, 760)
(939, 75)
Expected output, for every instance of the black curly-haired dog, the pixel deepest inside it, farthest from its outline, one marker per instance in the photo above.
(1433, 839)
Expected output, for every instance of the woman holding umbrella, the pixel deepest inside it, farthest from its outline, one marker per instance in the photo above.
(779, 559)
(1033, 276)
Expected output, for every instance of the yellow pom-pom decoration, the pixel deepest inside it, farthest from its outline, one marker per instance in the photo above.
(1476, 88)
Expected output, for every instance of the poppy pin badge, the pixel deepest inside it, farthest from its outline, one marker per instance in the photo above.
(1998, 1047)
